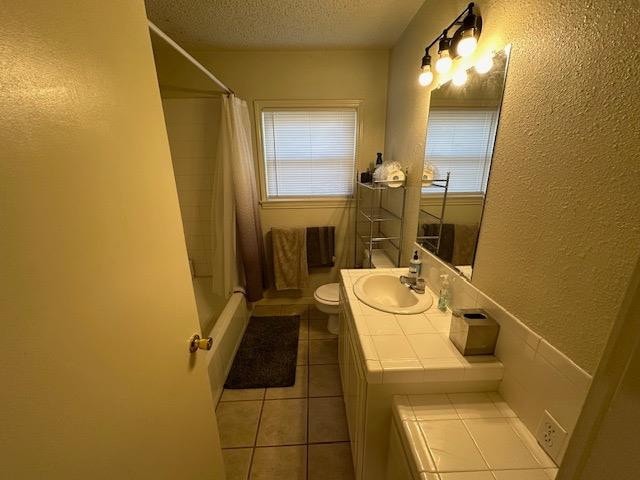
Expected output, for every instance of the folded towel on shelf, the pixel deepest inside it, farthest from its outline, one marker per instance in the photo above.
(290, 269)
(321, 246)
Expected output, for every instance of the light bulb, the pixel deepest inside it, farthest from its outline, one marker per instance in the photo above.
(426, 77)
(460, 77)
(443, 65)
(484, 64)
(467, 44)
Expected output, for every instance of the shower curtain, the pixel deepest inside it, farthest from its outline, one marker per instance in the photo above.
(235, 203)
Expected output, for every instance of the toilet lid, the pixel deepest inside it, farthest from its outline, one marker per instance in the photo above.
(329, 292)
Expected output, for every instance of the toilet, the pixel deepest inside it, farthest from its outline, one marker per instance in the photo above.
(327, 299)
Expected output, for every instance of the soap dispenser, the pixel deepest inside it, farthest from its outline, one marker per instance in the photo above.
(415, 266)
(445, 294)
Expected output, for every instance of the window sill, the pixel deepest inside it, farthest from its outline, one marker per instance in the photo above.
(340, 202)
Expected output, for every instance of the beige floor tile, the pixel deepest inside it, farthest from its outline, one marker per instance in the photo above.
(323, 351)
(232, 395)
(237, 462)
(318, 329)
(238, 423)
(331, 461)
(303, 353)
(303, 334)
(280, 463)
(267, 310)
(324, 381)
(300, 310)
(327, 420)
(315, 313)
(298, 390)
(283, 422)
(285, 300)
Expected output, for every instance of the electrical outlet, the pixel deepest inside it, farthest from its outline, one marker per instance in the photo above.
(551, 436)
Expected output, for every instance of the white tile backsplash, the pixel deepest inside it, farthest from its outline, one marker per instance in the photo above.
(537, 376)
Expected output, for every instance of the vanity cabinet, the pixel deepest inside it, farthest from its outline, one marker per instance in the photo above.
(354, 388)
(369, 381)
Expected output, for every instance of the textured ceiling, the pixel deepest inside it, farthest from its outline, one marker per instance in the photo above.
(283, 24)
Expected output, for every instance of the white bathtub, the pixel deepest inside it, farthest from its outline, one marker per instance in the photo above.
(225, 322)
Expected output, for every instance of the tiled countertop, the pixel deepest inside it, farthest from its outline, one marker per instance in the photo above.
(468, 435)
(411, 348)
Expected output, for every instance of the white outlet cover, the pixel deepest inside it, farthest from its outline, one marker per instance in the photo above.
(551, 436)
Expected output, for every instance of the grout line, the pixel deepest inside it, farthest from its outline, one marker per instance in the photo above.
(327, 442)
(243, 400)
(255, 438)
(308, 401)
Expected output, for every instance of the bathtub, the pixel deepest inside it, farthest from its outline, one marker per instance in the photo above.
(225, 322)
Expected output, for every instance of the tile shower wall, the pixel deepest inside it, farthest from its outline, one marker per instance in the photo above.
(192, 126)
(537, 376)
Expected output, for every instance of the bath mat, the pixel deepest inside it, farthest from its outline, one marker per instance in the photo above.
(267, 354)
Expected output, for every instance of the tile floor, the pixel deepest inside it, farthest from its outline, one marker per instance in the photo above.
(298, 432)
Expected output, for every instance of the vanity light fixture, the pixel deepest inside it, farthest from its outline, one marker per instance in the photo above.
(443, 64)
(462, 44)
(465, 39)
(460, 77)
(426, 75)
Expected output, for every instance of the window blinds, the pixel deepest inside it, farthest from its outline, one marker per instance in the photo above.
(460, 141)
(309, 153)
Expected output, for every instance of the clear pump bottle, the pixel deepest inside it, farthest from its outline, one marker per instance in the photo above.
(445, 294)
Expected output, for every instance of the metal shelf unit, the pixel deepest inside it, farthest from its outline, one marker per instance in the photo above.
(433, 241)
(375, 223)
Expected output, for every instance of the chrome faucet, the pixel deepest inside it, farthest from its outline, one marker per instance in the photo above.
(415, 284)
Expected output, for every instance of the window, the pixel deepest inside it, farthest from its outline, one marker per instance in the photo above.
(460, 141)
(308, 151)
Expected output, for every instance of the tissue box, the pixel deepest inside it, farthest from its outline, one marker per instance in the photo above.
(473, 332)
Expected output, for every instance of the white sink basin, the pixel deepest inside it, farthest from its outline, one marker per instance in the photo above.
(384, 292)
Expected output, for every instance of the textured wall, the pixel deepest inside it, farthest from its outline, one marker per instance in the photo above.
(561, 229)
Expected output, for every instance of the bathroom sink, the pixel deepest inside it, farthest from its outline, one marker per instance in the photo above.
(384, 292)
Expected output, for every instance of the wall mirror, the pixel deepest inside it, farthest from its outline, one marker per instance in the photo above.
(461, 132)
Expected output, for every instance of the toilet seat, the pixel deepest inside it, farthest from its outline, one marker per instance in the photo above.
(328, 294)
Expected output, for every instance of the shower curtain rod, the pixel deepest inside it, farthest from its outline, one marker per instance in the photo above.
(186, 54)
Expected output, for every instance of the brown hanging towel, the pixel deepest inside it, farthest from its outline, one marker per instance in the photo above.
(321, 246)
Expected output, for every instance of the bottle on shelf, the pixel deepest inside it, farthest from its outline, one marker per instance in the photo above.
(379, 173)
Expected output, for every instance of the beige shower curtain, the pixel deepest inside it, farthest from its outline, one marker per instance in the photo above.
(235, 176)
